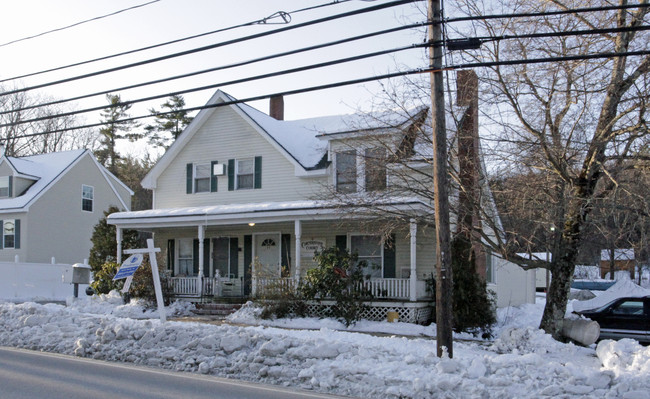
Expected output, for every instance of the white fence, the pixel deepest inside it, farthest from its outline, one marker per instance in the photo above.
(35, 282)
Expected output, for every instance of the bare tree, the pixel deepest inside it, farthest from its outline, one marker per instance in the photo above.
(48, 134)
(575, 124)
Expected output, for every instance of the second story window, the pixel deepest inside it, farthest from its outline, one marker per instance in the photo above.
(5, 187)
(245, 173)
(346, 172)
(87, 198)
(375, 169)
(202, 178)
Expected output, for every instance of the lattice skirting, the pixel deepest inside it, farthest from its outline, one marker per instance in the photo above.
(409, 312)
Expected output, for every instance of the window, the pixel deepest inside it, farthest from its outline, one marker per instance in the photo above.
(369, 249)
(202, 178)
(629, 308)
(346, 172)
(87, 197)
(185, 258)
(9, 233)
(245, 174)
(5, 187)
(375, 163)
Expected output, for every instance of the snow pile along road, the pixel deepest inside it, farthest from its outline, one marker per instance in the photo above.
(523, 362)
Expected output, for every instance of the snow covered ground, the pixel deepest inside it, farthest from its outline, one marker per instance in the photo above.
(522, 362)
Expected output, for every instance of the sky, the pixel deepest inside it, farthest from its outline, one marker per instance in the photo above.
(167, 20)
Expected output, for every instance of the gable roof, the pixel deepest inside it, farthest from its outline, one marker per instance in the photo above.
(46, 169)
(300, 141)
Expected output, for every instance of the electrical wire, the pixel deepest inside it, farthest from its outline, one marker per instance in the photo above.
(213, 46)
(226, 83)
(546, 13)
(224, 67)
(484, 39)
(343, 83)
(78, 23)
(128, 52)
(244, 100)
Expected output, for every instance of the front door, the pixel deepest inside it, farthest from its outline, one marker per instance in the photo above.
(267, 255)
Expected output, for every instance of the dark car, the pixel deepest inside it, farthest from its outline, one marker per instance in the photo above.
(623, 318)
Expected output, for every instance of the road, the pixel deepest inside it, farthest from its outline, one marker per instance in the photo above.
(27, 375)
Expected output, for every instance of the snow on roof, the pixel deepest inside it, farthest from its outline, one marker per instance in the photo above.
(297, 140)
(619, 254)
(43, 168)
(234, 209)
(300, 138)
(624, 287)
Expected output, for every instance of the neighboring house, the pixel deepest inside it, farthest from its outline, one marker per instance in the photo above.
(50, 203)
(236, 207)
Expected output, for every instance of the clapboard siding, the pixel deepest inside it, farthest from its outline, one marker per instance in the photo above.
(224, 136)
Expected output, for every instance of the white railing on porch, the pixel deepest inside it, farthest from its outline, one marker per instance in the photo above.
(212, 286)
(381, 288)
(185, 286)
(389, 288)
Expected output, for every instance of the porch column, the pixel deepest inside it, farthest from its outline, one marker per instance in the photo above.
(118, 237)
(198, 278)
(413, 233)
(297, 233)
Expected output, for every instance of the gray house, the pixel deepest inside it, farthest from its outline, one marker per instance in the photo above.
(50, 203)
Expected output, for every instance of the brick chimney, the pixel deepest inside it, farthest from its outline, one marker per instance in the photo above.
(276, 107)
(469, 166)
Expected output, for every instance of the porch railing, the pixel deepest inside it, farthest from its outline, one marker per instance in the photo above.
(389, 288)
(381, 288)
(212, 286)
(185, 286)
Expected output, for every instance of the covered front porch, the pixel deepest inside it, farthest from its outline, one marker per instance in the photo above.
(246, 250)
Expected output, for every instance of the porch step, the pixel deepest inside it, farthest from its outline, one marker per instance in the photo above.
(216, 309)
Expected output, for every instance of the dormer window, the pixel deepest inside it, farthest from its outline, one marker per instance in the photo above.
(5, 186)
(346, 171)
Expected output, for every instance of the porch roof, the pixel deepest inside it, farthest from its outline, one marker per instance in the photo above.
(255, 212)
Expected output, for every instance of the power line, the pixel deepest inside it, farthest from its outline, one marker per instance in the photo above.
(464, 43)
(224, 67)
(545, 13)
(216, 45)
(244, 100)
(267, 20)
(345, 83)
(78, 23)
(226, 83)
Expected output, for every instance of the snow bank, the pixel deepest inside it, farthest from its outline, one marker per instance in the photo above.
(522, 362)
(623, 287)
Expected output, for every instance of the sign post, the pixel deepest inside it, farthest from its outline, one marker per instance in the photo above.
(154, 271)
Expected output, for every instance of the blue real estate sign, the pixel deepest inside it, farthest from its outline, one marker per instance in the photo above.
(129, 266)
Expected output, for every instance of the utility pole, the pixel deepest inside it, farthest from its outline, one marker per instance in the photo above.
(444, 285)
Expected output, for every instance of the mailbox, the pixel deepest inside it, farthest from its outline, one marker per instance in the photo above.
(80, 274)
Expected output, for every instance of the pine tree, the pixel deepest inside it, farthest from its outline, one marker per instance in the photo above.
(172, 118)
(104, 247)
(473, 309)
(115, 128)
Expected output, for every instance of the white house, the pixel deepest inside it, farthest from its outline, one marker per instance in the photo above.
(242, 199)
(50, 203)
